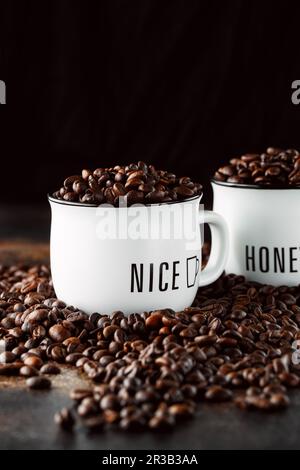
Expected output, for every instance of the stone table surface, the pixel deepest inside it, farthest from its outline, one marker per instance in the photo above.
(26, 418)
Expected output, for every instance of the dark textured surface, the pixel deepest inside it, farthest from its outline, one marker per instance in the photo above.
(26, 418)
(26, 422)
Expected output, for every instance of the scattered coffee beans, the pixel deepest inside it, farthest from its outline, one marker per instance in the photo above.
(235, 345)
(274, 167)
(136, 183)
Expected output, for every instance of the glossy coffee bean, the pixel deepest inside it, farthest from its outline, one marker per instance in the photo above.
(38, 383)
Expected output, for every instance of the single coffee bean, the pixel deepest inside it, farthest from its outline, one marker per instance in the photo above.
(164, 421)
(217, 393)
(50, 369)
(279, 400)
(28, 371)
(7, 357)
(87, 407)
(184, 191)
(59, 333)
(79, 394)
(58, 354)
(154, 321)
(64, 418)
(68, 183)
(109, 402)
(38, 383)
(33, 361)
(111, 416)
(10, 369)
(181, 410)
(79, 186)
(289, 379)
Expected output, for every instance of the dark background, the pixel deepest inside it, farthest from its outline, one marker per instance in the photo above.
(183, 84)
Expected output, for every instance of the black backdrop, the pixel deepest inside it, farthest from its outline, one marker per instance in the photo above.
(183, 84)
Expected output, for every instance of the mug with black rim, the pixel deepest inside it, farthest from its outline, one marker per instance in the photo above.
(264, 231)
(134, 259)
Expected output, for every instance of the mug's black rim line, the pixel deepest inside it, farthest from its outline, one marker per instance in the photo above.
(82, 204)
(252, 186)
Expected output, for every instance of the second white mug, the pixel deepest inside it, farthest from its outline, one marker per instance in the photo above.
(264, 231)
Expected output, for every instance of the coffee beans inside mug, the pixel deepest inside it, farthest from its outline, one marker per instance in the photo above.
(274, 167)
(135, 183)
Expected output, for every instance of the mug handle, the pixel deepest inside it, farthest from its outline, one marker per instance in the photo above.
(219, 247)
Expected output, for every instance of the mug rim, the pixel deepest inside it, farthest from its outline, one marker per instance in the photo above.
(252, 186)
(83, 204)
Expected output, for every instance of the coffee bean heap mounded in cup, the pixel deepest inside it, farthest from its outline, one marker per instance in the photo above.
(274, 167)
(135, 183)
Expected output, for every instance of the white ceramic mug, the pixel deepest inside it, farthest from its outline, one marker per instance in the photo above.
(132, 259)
(264, 231)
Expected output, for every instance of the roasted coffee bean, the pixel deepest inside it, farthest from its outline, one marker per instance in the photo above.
(111, 416)
(28, 371)
(143, 396)
(10, 369)
(109, 331)
(38, 315)
(33, 361)
(279, 400)
(79, 394)
(183, 191)
(72, 358)
(274, 168)
(132, 183)
(38, 383)
(289, 379)
(19, 350)
(59, 333)
(154, 321)
(64, 418)
(7, 357)
(87, 407)
(109, 402)
(217, 393)
(205, 340)
(70, 196)
(68, 183)
(58, 353)
(135, 422)
(181, 410)
(162, 421)
(79, 186)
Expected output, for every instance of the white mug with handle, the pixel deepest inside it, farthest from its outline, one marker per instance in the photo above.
(134, 259)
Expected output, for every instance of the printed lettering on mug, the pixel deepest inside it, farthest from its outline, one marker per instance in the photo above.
(275, 259)
(163, 277)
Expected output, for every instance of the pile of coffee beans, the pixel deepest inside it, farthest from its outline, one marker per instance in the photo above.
(238, 343)
(274, 167)
(127, 185)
